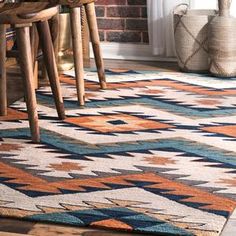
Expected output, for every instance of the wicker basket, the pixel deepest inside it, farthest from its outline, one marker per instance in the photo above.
(222, 42)
(191, 41)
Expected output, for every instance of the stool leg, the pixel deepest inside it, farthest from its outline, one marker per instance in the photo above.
(54, 28)
(93, 29)
(34, 50)
(75, 19)
(23, 42)
(3, 79)
(51, 66)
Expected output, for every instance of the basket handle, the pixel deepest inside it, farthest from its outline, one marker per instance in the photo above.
(178, 8)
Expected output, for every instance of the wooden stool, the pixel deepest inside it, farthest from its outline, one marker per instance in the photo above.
(34, 42)
(21, 16)
(75, 17)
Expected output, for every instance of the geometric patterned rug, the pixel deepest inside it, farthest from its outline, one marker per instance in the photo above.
(155, 153)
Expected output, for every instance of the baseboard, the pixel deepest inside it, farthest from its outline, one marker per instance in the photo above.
(128, 51)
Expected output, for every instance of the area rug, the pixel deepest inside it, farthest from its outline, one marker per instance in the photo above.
(155, 153)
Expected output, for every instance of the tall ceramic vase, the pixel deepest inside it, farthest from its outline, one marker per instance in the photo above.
(222, 42)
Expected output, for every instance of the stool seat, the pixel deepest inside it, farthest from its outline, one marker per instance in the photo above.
(26, 13)
(72, 3)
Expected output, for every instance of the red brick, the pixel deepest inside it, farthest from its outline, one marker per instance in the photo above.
(102, 35)
(111, 2)
(100, 11)
(145, 37)
(144, 12)
(137, 2)
(123, 11)
(136, 24)
(116, 36)
(118, 24)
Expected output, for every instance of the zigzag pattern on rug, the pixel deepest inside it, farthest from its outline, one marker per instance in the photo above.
(154, 153)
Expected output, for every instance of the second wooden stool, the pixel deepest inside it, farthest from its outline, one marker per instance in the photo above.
(21, 16)
(75, 18)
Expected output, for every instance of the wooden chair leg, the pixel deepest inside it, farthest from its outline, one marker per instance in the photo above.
(75, 19)
(51, 66)
(93, 29)
(34, 48)
(54, 28)
(23, 42)
(3, 79)
(85, 38)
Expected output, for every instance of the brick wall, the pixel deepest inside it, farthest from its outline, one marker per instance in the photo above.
(122, 20)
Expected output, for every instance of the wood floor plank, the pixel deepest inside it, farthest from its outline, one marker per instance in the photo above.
(15, 226)
(53, 230)
(12, 234)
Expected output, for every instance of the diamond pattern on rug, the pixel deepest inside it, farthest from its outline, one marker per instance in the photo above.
(155, 153)
(116, 123)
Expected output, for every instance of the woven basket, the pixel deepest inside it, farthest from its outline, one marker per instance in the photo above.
(191, 41)
(222, 42)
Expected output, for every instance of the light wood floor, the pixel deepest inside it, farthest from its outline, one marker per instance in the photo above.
(12, 227)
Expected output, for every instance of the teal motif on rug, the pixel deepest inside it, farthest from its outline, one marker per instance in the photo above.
(155, 153)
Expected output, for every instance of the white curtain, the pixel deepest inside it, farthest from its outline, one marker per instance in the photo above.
(203, 4)
(160, 25)
(160, 21)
